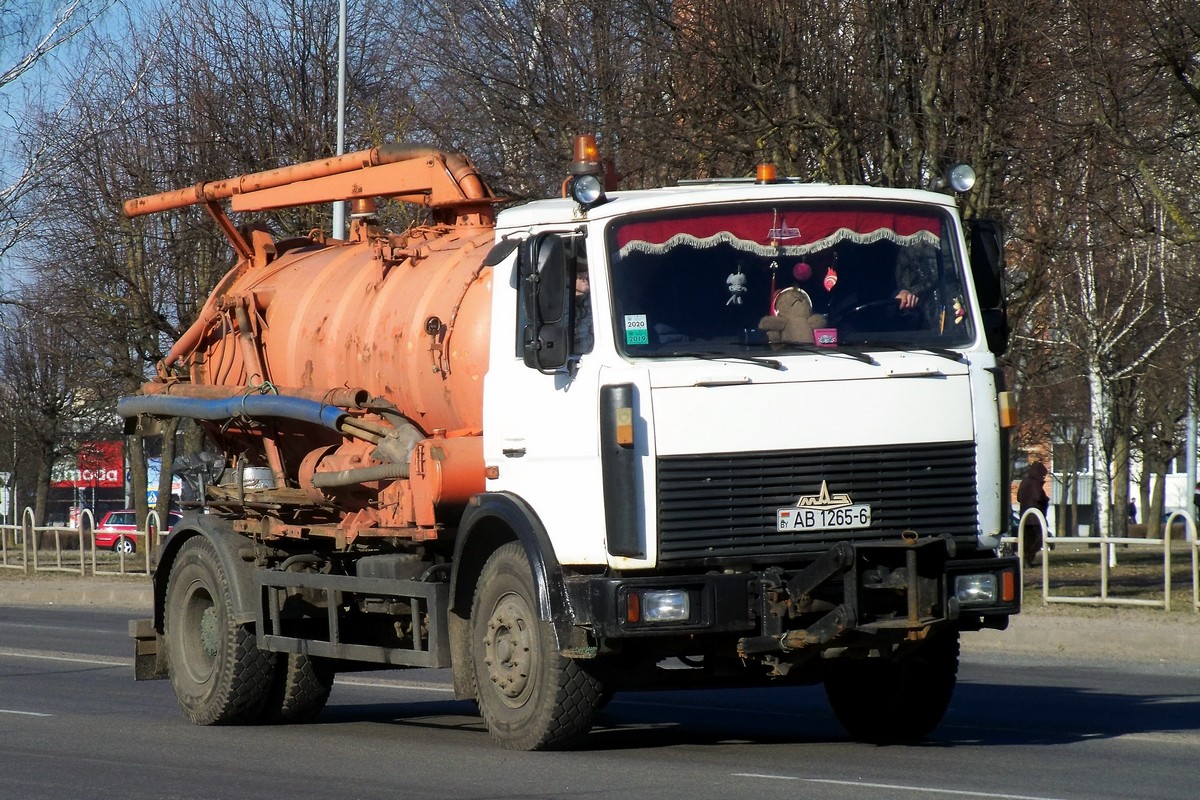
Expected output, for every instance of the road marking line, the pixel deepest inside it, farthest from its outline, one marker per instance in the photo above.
(24, 713)
(74, 659)
(398, 684)
(896, 787)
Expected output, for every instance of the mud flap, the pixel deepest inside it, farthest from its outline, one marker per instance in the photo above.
(149, 651)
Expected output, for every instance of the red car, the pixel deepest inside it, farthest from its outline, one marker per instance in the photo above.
(113, 532)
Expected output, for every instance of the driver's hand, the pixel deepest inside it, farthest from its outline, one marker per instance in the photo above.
(907, 299)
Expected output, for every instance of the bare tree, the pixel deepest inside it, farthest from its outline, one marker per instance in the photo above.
(29, 33)
(49, 385)
(208, 91)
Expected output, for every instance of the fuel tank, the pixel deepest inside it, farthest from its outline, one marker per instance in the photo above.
(403, 316)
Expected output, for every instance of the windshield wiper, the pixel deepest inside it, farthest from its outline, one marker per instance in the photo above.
(840, 350)
(943, 352)
(712, 355)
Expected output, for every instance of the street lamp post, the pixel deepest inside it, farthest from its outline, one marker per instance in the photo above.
(339, 208)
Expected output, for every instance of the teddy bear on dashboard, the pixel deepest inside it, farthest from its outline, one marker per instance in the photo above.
(793, 320)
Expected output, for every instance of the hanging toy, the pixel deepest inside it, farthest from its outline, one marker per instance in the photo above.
(830, 279)
(737, 287)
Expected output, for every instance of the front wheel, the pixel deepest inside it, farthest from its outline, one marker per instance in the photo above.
(125, 545)
(901, 701)
(219, 675)
(530, 696)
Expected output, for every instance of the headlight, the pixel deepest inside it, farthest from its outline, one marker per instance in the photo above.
(658, 606)
(976, 590)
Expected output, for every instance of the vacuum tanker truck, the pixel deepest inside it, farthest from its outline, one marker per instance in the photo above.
(736, 432)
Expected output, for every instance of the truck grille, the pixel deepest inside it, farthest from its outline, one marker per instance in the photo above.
(714, 508)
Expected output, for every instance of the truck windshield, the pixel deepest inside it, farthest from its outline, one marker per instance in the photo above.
(766, 278)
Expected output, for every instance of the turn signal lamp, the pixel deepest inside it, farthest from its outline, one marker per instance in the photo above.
(625, 426)
(1008, 585)
(1008, 410)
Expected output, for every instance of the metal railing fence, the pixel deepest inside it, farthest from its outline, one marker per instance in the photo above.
(1107, 548)
(57, 548)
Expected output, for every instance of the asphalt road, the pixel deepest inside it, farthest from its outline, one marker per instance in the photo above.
(74, 724)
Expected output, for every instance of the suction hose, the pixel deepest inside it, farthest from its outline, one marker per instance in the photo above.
(247, 406)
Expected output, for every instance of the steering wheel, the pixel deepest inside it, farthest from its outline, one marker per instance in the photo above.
(904, 316)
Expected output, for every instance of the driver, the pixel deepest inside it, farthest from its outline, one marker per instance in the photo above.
(855, 276)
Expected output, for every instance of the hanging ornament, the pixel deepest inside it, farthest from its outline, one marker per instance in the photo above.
(830, 279)
(737, 287)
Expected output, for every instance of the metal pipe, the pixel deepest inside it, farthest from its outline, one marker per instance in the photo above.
(253, 360)
(349, 477)
(460, 168)
(350, 428)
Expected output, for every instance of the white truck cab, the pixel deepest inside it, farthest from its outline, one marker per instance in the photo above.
(790, 396)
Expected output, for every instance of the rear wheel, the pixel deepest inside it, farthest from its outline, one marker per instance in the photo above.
(530, 696)
(219, 675)
(896, 702)
(299, 690)
(125, 545)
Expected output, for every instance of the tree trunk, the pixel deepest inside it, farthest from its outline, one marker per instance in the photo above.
(1152, 512)
(1101, 468)
(42, 487)
(165, 501)
(1120, 482)
(137, 475)
(1150, 484)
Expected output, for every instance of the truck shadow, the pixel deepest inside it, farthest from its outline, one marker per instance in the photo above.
(982, 714)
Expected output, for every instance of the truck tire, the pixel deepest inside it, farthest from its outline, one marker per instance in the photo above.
(299, 690)
(219, 675)
(530, 696)
(895, 702)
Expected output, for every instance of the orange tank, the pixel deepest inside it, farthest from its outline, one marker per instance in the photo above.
(412, 330)
(392, 329)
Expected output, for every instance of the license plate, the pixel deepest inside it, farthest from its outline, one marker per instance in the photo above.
(842, 518)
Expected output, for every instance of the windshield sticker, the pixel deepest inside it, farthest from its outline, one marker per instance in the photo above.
(635, 329)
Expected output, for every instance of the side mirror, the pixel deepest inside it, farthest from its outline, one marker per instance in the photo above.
(986, 242)
(547, 289)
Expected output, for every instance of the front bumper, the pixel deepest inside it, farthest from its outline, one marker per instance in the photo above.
(851, 593)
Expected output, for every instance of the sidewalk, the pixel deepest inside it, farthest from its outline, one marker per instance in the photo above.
(132, 592)
(1095, 633)
(1143, 635)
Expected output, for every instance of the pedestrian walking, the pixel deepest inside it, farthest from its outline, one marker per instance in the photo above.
(1032, 494)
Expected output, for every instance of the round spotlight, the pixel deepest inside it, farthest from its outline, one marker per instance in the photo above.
(961, 177)
(587, 190)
